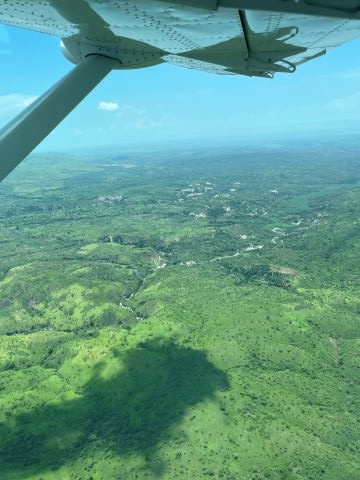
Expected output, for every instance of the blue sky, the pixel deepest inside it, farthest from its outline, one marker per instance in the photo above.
(168, 104)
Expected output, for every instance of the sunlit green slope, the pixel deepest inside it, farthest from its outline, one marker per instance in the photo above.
(181, 317)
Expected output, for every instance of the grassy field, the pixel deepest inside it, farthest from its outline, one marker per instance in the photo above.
(181, 316)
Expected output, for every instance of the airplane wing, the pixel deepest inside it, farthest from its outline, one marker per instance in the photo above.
(239, 37)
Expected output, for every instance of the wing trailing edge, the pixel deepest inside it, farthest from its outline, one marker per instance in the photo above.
(348, 9)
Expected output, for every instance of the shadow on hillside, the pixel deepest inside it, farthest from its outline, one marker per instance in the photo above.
(127, 413)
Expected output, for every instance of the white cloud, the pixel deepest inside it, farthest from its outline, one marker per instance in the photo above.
(129, 110)
(15, 101)
(137, 118)
(108, 106)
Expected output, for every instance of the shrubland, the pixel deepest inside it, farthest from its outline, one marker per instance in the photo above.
(181, 317)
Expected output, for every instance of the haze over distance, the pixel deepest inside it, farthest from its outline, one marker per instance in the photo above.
(166, 105)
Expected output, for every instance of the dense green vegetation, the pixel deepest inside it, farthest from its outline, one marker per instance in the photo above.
(181, 316)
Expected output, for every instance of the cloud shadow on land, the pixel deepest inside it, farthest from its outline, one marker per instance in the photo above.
(131, 412)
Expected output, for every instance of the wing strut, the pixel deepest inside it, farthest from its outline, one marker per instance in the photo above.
(19, 137)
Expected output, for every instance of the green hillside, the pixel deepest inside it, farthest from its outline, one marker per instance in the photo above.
(181, 316)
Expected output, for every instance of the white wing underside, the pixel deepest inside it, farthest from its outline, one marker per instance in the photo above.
(222, 40)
